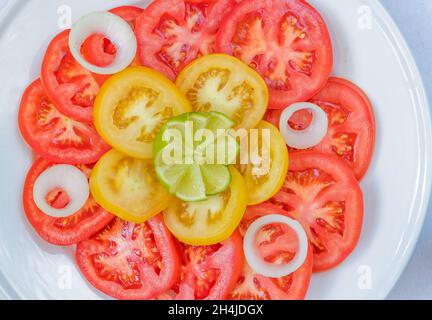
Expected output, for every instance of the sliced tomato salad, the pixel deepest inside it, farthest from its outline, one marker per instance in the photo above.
(286, 41)
(278, 245)
(209, 272)
(172, 33)
(53, 135)
(130, 261)
(70, 86)
(322, 193)
(351, 132)
(62, 231)
(244, 61)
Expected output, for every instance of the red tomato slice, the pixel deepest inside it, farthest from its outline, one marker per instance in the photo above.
(62, 231)
(351, 133)
(130, 261)
(71, 87)
(208, 272)
(322, 193)
(172, 33)
(278, 244)
(54, 136)
(128, 13)
(286, 41)
(100, 51)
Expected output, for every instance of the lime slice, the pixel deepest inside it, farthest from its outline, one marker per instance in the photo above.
(170, 176)
(227, 146)
(191, 187)
(218, 120)
(186, 168)
(200, 119)
(217, 178)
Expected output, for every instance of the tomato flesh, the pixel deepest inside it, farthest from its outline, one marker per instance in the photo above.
(99, 50)
(71, 87)
(221, 83)
(277, 244)
(264, 185)
(172, 33)
(211, 221)
(128, 187)
(209, 272)
(322, 193)
(130, 261)
(128, 13)
(55, 136)
(62, 231)
(286, 41)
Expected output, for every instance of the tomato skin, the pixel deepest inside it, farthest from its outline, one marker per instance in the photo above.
(151, 283)
(252, 286)
(70, 86)
(155, 48)
(228, 260)
(309, 74)
(54, 136)
(318, 189)
(61, 231)
(350, 115)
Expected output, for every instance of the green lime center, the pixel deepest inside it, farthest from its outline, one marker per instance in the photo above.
(192, 153)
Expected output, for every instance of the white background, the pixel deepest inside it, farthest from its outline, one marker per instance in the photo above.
(413, 18)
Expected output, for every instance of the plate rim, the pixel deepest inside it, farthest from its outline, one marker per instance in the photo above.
(424, 131)
(421, 199)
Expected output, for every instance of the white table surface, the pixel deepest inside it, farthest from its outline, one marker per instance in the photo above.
(413, 18)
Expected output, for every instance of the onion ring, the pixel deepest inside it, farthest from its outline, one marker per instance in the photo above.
(68, 178)
(270, 270)
(312, 135)
(117, 30)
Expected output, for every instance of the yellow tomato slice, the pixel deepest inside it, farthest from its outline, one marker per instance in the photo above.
(128, 187)
(132, 106)
(225, 84)
(264, 184)
(210, 221)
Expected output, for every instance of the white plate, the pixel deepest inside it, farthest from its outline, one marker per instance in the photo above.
(396, 188)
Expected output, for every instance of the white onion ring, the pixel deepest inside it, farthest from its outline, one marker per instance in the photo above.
(312, 135)
(270, 270)
(68, 178)
(117, 30)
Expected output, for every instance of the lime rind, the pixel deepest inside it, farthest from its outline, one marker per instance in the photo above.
(217, 178)
(218, 120)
